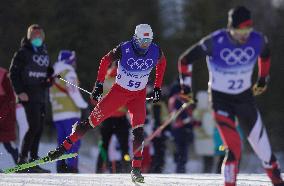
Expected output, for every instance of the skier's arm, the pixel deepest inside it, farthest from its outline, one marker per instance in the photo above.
(263, 69)
(16, 68)
(74, 92)
(264, 61)
(185, 61)
(109, 58)
(160, 70)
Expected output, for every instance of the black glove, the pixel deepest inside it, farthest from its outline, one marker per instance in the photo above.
(157, 95)
(260, 86)
(98, 91)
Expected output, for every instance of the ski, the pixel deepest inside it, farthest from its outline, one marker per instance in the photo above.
(43, 160)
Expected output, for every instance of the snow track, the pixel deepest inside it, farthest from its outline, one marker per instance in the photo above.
(124, 180)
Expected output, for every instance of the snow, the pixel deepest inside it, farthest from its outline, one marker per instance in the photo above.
(87, 165)
(124, 179)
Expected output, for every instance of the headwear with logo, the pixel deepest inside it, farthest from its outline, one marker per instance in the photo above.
(239, 17)
(67, 56)
(143, 37)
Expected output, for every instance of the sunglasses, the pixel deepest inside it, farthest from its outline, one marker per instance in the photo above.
(144, 41)
(242, 31)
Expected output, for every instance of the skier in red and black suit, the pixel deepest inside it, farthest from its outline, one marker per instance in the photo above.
(231, 55)
(136, 59)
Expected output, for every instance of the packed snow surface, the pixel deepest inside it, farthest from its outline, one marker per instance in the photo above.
(124, 180)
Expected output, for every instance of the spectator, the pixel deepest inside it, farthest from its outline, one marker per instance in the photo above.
(181, 128)
(31, 76)
(159, 112)
(66, 101)
(203, 133)
(7, 115)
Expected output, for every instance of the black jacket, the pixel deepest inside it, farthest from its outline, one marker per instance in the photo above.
(29, 71)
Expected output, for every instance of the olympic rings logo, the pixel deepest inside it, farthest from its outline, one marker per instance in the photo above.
(139, 64)
(237, 55)
(41, 60)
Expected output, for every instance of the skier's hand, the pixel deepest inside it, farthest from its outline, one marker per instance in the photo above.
(23, 97)
(157, 95)
(260, 86)
(97, 91)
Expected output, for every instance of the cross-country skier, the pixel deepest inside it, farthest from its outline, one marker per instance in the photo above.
(231, 55)
(136, 58)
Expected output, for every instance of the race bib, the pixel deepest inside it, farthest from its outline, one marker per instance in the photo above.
(132, 81)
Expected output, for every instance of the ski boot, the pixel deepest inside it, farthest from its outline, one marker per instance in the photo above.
(22, 160)
(136, 175)
(59, 151)
(38, 169)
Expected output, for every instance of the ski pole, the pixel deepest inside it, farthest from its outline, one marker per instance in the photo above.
(172, 117)
(59, 77)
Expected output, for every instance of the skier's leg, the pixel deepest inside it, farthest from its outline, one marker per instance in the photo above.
(257, 136)
(231, 139)
(137, 111)
(112, 101)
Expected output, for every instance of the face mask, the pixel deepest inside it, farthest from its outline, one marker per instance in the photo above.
(37, 42)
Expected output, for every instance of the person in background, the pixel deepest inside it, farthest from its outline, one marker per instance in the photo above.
(203, 133)
(31, 77)
(231, 55)
(182, 128)
(7, 115)
(159, 112)
(66, 102)
(117, 124)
